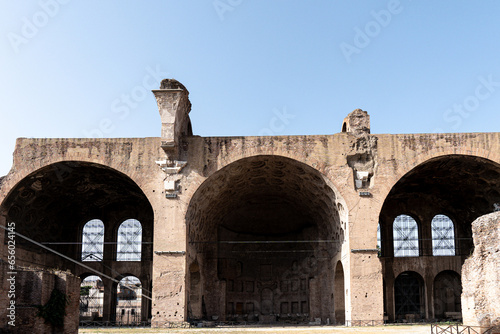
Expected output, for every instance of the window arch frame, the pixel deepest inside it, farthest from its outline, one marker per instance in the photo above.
(416, 239)
(129, 304)
(94, 297)
(451, 241)
(135, 241)
(453, 282)
(409, 294)
(92, 245)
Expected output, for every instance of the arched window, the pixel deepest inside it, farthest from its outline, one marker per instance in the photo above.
(93, 240)
(409, 295)
(91, 298)
(447, 294)
(443, 236)
(405, 231)
(339, 295)
(128, 301)
(129, 241)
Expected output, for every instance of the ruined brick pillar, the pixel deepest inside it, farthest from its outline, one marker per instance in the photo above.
(481, 275)
(357, 123)
(314, 299)
(109, 300)
(429, 296)
(174, 107)
(389, 291)
(364, 300)
(169, 249)
(425, 239)
(33, 288)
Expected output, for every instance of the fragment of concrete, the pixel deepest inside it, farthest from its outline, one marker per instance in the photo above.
(481, 275)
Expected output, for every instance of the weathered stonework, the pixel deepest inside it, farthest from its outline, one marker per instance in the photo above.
(357, 123)
(174, 106)
(262, 229)
(33, 288)
(481, 274)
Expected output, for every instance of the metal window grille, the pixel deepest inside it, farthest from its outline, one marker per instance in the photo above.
(443, 236)
(405, 231)
(407, 290)
(129, 241)
(93, 240)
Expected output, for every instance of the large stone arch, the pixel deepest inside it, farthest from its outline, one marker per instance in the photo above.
(244, 218)
(121, 155)
(461, 186)
(222, 152)
(51, 204)
(447, 181)
(454, 145)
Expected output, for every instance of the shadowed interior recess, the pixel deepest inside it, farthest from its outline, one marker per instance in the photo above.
(262, 223)
(52, 205)
(460, 187)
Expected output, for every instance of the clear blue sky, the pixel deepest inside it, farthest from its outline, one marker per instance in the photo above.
(415, 66)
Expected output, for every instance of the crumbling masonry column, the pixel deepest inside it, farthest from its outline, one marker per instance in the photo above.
(365, 297)
(480, 275)
(174, 107)
(169, 259)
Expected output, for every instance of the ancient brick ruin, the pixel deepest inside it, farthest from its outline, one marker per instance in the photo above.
(33, 288)
(338, 228)
(481, 274)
